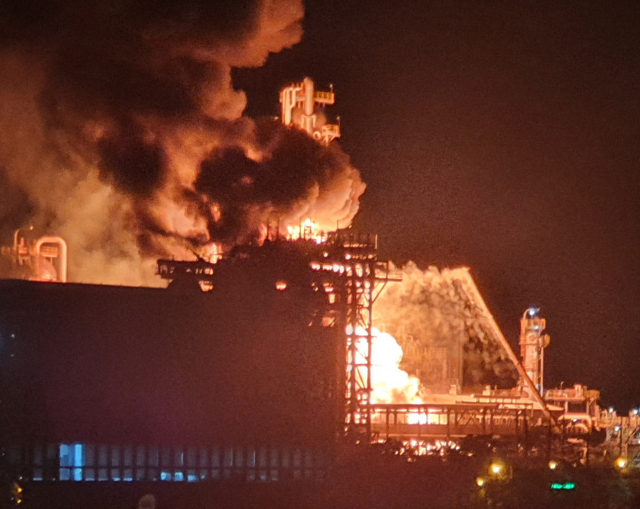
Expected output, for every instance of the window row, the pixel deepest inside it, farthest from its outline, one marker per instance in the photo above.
(88, 462)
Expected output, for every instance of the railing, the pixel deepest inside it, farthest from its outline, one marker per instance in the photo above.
(348, 239)
(200, 269)
(450, 420)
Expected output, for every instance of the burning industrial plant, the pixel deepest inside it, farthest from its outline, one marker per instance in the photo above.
(122, 132)
(131, 145)
(126, 159)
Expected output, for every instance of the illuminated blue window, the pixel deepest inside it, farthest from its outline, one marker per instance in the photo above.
(116, 474)
(72, 461)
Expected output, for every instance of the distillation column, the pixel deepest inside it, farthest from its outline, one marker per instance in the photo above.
(532, 345)
(299, 107)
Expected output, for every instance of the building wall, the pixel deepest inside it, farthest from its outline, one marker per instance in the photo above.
(244, 366)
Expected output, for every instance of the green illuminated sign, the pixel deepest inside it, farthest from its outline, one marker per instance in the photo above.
(563, 485)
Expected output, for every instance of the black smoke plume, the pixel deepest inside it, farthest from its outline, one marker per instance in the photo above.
(120, 130)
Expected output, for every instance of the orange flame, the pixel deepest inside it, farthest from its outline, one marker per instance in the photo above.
(306, 230)
(390, 384)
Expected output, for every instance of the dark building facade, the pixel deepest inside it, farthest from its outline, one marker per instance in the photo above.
(106, 386)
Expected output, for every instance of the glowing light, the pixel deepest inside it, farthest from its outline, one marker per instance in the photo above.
(206, 286)
(563, 486)
(621, 462)
(281, 285)
(306, 230)
(480, 481)
(553, 465)
(496, 468)
(213, 252)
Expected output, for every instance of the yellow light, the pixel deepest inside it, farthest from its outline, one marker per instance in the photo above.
(553, 465)
(621, 462)
(480, 481)
(281, 285)
(496, 468)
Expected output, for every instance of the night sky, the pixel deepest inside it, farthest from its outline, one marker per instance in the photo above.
(503, 138)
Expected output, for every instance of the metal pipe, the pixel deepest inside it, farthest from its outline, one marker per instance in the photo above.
(308, 119)
(61, 274)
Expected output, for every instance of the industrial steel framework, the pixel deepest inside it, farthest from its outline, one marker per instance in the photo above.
(468, 291)
(405, 422)
(361, 279)
(348, 267)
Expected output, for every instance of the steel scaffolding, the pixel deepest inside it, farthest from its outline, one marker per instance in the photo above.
(347, 270)
(361, 279)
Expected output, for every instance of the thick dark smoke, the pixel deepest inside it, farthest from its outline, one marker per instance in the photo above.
(120, 130)
(427, 313)
(251, 193)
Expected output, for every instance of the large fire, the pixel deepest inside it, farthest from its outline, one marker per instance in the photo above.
(390, 384)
